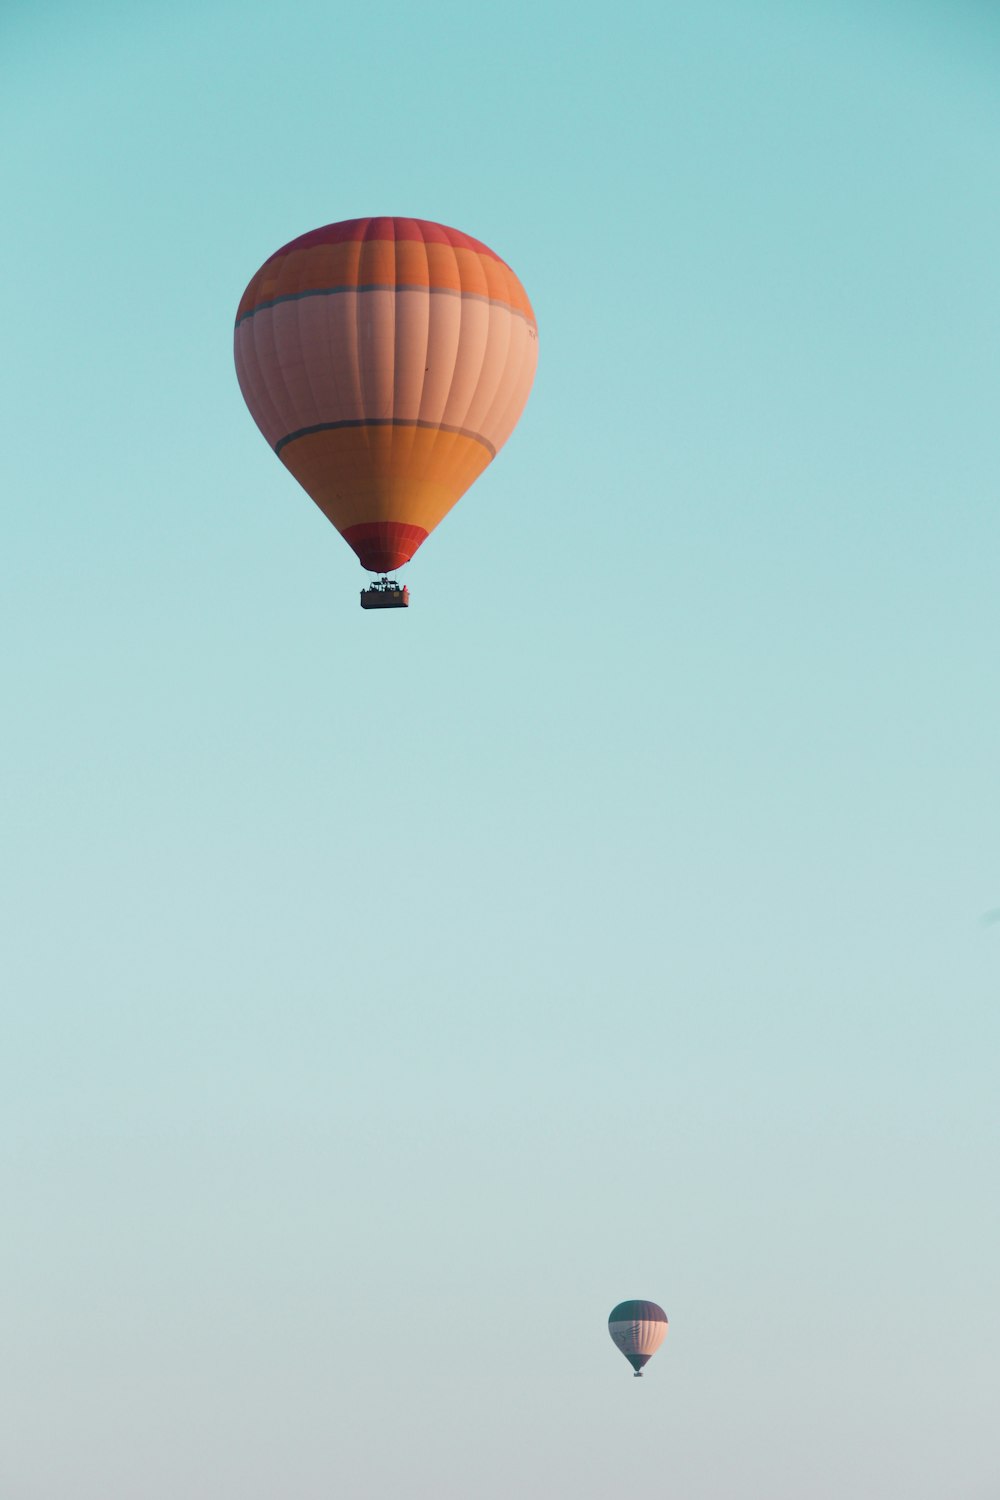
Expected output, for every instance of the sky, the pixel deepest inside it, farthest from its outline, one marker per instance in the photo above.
(385, 997)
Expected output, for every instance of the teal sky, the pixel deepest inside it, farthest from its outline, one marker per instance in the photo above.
(383, 999)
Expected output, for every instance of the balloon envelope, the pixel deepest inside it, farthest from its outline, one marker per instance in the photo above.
(638, 1329)
(385, 361)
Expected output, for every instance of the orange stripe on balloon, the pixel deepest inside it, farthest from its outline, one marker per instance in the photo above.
(361, 264)
(364, 474)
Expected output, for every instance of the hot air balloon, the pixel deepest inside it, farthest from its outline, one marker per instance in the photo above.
(638, 1329)
(386, 361)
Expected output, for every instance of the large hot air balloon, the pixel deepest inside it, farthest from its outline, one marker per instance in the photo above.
(638, 1329)
(385, 361)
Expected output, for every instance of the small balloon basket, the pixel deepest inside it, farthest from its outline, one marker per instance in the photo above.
(385, 594)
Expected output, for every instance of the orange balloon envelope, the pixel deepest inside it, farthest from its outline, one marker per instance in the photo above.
(385, 361)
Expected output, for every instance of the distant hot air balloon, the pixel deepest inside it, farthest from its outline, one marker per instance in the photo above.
(386, 361)
(638, 1328)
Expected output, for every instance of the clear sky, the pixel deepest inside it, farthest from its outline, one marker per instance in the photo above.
(387, 996)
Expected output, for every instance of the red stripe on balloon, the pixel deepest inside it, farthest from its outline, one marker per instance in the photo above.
(354, 230)
(384, 546)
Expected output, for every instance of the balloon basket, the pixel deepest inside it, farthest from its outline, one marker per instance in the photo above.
(385, 594)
